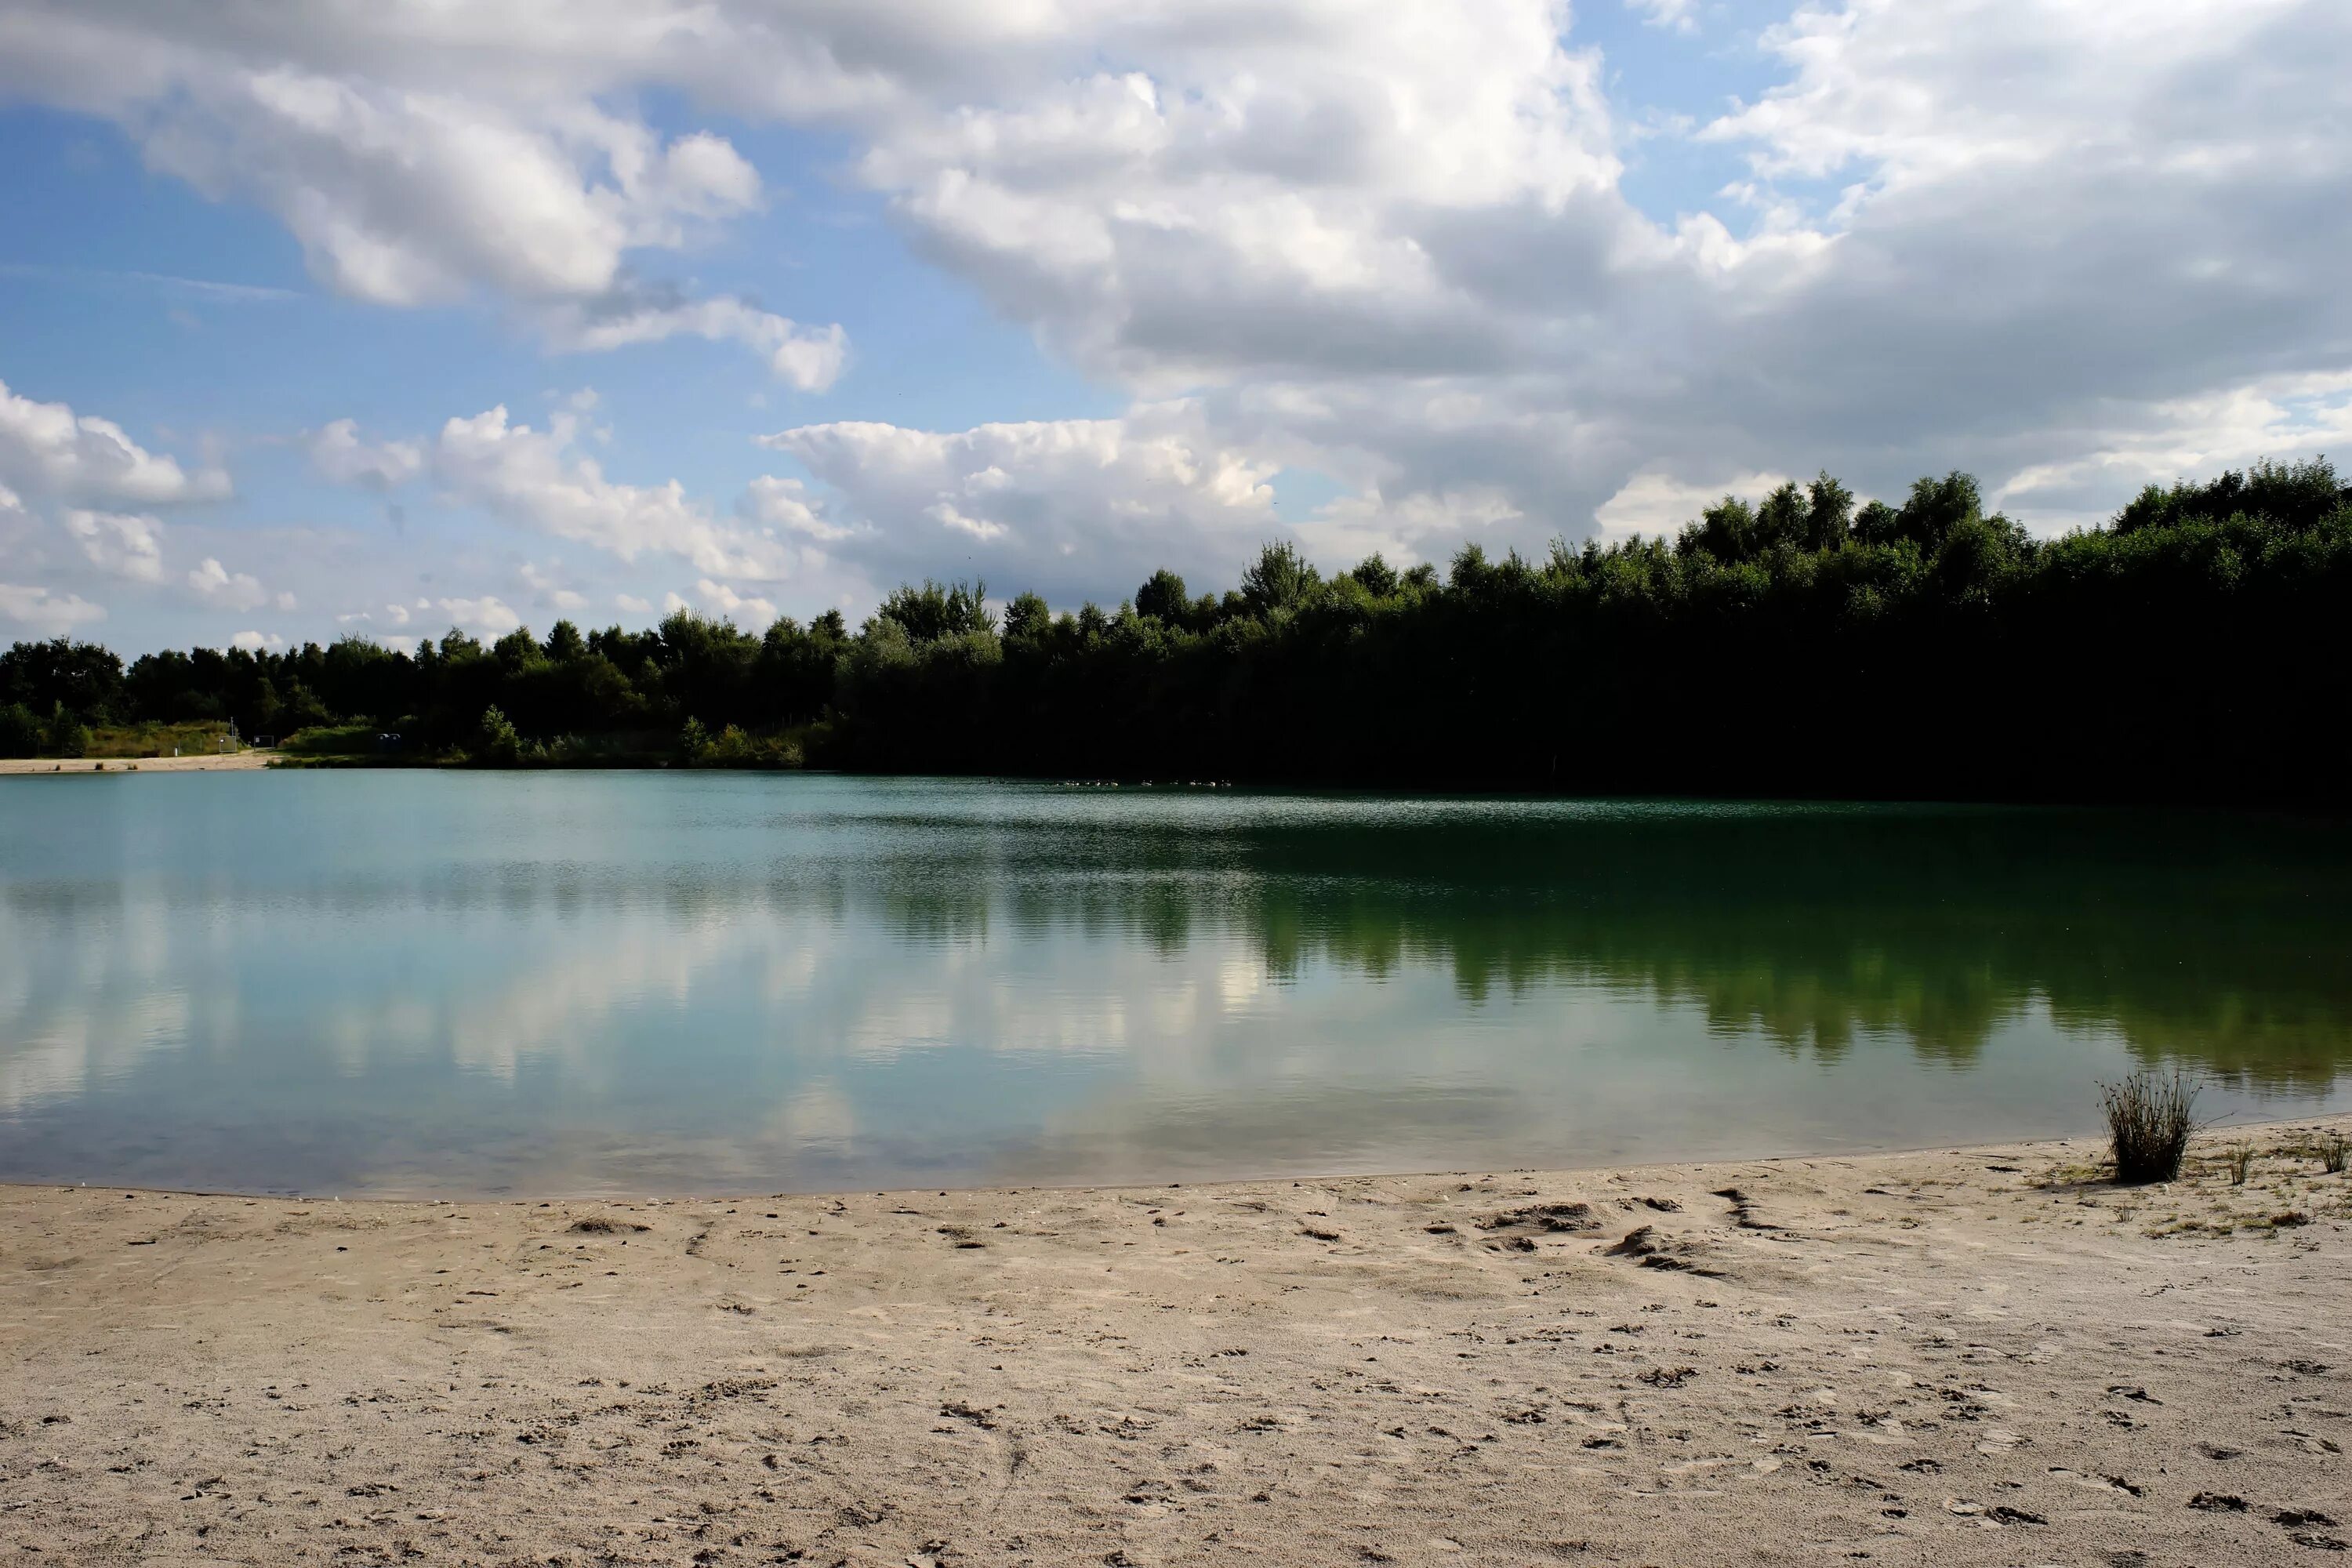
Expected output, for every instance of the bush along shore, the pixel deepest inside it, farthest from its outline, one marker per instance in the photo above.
(2189, 649)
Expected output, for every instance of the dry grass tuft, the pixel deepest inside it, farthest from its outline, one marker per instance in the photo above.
(2149, 1119)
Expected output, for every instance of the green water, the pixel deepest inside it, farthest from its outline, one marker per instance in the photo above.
(576, 983)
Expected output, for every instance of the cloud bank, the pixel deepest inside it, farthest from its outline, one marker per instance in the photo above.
(1391, 246)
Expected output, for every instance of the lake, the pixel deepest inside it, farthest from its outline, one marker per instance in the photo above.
(585, 983)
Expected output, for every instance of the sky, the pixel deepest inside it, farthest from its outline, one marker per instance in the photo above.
(325, 318)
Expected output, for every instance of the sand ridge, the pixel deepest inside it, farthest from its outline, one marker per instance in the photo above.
(1971, 1357)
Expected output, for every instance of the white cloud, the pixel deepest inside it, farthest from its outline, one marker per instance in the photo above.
(1676, 15)
(1655, 505)
(786, 504)
(1070, 507)
(46, 448)
(403, 196)
(753, 613)
(2273, 418)
(337, 452)
(119, 545)
(15, 522)
(629, 604)
(546, 591)
(534, 477)
(2061, 244)
(45, 612)
(256, 642)
(418, 160)
(486, 616)
(809, 358)
(1420, 525)
(216, 584)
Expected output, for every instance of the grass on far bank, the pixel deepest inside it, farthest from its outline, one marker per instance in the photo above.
(197, 739)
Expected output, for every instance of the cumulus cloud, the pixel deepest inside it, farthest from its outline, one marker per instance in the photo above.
(46, 448)
(338, 453)
(45, 612)
(419, 163)
(402, 195)
(739, 607)
(486, 616)
(391, 615)
(2037, 221)
(119, 545)
(22, 537)
(2062, 245)
(1064, 506)
(216, 584)
(415, 162)
(1677, 14)
(2270, 418)
(808, 358)
(537, 478)
(1655, 505)
(546, 591)
(786, 504)
(256, 642)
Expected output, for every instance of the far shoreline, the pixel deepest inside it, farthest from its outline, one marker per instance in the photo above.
(228, 762)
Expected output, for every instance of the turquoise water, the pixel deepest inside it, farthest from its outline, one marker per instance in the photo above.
(651, 982)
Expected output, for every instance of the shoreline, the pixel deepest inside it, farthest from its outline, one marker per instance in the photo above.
(2210, 1135)
(1964, 1355)
(44, 767)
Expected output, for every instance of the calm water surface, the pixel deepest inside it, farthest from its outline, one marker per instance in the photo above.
(580, 982)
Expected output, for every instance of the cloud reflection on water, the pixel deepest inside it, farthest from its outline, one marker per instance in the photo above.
(620, 982)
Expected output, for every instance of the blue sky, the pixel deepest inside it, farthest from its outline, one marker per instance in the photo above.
(1057, 295)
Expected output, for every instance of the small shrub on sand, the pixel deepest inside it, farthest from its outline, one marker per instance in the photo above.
(2332, 1152)
(2149, 1119)
(2242, 1161)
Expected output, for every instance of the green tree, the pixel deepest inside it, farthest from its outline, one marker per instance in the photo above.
(1027, 616)
(494, 740)
(66, 735)
(1829, 513)
(1163, 598)
(1280, 579)
(937, 610)
(1378, 577)
(20, 731)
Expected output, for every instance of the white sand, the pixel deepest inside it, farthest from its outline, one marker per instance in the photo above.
(1950, 1358)
(235, 762)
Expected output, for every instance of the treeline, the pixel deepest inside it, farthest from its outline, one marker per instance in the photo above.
(2192, 649)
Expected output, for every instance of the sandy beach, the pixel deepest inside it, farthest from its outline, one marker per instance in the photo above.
(208, 762)
(1974, 1357)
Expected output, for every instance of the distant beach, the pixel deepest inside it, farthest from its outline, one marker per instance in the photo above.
(209, 763)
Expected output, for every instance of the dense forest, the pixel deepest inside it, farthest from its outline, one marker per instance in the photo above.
(2193, 649)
